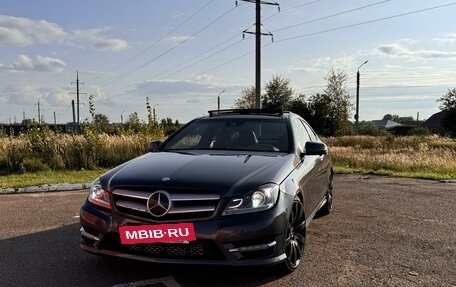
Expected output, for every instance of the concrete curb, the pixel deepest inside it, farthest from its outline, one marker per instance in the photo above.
(448, 181)
(46, 188)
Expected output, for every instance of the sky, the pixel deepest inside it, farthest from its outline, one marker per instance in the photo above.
(183, 54)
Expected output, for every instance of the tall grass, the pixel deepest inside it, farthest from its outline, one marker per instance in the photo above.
(41, 149)
(413, 156)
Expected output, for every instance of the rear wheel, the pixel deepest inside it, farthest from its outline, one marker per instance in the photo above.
(295, 237)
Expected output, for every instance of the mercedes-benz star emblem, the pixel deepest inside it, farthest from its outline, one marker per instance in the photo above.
(159, 203)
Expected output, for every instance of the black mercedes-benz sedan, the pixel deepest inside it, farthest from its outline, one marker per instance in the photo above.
(235, 187)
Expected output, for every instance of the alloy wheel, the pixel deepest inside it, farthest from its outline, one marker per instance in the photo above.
(296, 232)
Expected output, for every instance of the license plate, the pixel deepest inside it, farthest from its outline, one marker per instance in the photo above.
(169, 233)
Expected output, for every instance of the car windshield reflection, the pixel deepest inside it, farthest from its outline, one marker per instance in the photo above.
(232, 134)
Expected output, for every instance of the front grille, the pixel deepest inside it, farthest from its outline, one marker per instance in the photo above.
(199, 249)
(170, 249)
(186, 204)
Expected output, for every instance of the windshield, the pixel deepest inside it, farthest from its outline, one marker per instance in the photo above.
(270, 135)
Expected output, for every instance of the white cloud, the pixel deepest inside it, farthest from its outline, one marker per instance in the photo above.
(27, 95)
(302, 70)
(40, 63)
(16, 31)
(19, 94)
(321, 65)
(398, 51)
(96, 39)
(446, 39)
(205, 79)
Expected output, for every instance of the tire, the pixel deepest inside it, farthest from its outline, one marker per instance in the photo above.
(295, 237)
(327, 207)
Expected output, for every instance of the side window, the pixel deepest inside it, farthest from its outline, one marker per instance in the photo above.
(300, 134)
(312, 134)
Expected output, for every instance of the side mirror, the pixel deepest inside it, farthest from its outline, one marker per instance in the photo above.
(154, 145)
(315, 148)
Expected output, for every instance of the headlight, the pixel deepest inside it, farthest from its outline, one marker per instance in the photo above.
(99, 196)
(262, 198)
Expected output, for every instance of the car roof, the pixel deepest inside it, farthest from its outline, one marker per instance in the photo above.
(247, 113)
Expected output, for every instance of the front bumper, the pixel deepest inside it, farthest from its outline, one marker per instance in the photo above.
(237, 240)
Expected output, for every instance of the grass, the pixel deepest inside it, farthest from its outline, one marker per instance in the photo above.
(415, 157)
(44, 158)
(48, 177)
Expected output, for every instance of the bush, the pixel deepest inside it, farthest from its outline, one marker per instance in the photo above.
(419, 131)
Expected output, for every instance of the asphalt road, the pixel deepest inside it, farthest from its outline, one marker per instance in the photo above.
(382, 232)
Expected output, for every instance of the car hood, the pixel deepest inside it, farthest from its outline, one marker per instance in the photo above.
(232, 174)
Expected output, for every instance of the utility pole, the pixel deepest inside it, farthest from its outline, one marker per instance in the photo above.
(258, 35)
(153, 113)
(218, 100)
(23, 115)
(39, 112)
(74, 114)
(55, 119)
(357, 97)
(77, 95)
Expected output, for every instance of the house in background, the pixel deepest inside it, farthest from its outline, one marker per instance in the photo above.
(434, 123)
(385, 124)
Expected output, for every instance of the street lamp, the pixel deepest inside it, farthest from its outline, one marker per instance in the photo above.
(357, 97)
(218, 100)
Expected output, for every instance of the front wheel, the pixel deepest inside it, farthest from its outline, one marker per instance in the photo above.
(295, 237)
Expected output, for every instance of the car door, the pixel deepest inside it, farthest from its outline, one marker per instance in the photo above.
(306, 171)
(322, 166)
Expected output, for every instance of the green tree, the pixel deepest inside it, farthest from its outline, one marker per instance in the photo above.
(101, 123)
(321, 119)
(448, 105)
(330, 111)
(388, 117)
(92, 106)
(150, 115)
(132, 123)
(247, 99)
(168, 126)
(299, 106)
(278, 94)
(340, 106)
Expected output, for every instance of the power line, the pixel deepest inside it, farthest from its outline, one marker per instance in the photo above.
(130, 72)
(330, 16)
(191, 59)
(279, 41)
(150, 46)
(319, 32)
(290, 8)
(193, 64)
(366, 22)
(202, 73)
